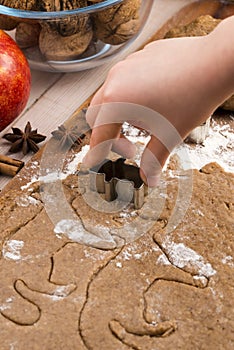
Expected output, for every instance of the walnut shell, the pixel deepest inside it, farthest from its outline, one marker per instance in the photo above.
(117, 35)
(29, 5)
(70, 25)
(120, 13)
(73, 4)
(118, 23)
(27, 35)
(61, 5)
(49, 5)
(7, 23)
(57, 47)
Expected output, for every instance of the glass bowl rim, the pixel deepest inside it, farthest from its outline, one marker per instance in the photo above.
(43, 15)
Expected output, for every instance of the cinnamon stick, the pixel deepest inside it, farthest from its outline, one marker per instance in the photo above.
(9, 166)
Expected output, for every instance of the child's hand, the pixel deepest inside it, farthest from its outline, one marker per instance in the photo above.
(181, 81)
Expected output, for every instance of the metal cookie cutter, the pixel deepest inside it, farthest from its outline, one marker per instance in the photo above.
(116, 179)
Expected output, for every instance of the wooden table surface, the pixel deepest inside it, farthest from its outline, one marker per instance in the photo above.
(56, 96)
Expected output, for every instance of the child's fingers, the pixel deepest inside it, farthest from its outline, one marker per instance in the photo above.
(94, 107)
(152, 161)
(124, 147)
(101, 143)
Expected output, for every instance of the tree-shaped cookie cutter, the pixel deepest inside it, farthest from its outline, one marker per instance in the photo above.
(116, 179)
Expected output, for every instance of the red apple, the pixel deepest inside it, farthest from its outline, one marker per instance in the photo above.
(15, 80)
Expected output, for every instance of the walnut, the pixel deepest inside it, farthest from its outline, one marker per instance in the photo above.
(29, 5)
(70, 25)
(61, 5)
(7, 23)
(67, 38)
(118, 23)
(49, 5)
(119, 35)
(27, 35)
(73, 4)
(57, 47)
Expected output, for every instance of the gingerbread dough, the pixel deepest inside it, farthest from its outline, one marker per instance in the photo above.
(166, 289)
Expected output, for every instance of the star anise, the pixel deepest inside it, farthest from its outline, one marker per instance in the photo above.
(67, 137)
(24, 140)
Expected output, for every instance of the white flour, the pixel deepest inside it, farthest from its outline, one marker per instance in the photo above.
(77, 233)
(60, 175)
(25, 201)
(184, 257)
(7, 304)
(11, 249)
(218, 147)
(72, 166)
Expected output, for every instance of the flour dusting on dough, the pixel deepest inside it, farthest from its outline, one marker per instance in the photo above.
(119, 265)
(75, 231)
(60, 293)
(228, 260)
(184, 257)
(72, 166)
(25, 201)
(217, 148)
(59, 175)
(162, 260)
(11, 249)
(7, 304)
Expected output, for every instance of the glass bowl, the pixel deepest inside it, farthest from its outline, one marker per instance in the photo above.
(73, 38)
